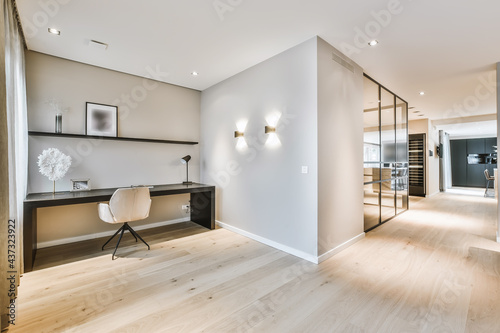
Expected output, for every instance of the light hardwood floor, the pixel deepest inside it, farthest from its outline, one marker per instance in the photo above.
(435, 268)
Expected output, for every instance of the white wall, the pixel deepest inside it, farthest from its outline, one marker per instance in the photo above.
(260, 190)
(433, 161)
(340, 150)
(147, 109)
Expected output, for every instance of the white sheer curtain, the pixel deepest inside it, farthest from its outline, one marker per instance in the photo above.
(447, 161)
(16, 122)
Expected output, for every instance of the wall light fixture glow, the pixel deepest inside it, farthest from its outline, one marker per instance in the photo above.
(273, 118)
(272, 141)
(54, 31)
(241, 144)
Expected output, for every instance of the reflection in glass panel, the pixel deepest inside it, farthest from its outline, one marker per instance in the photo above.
(401, 195)
(388, 134)
(401, 155)
(401, 131)
(372, 205)
(387, 210)
(371, 172)
(371, 139)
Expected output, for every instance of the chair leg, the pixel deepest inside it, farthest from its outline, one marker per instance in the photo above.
(132, 231)
(122, 229)
(487, 186)
(116, 233)
(119, 239)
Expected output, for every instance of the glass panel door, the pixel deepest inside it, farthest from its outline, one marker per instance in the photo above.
(401, 156)
(385, 154)
(371, 154)
(388, 141)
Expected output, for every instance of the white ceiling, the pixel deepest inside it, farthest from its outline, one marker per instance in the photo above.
(446, 48)
(484, 129)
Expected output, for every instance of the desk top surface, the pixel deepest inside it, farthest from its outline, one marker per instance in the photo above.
(101, 194)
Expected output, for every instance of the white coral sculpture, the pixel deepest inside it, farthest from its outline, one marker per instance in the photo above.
(53, 163)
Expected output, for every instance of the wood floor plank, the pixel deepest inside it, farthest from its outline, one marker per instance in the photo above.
(435, 268)
(484, 311)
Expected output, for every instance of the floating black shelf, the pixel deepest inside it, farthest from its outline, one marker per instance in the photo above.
(116, 138)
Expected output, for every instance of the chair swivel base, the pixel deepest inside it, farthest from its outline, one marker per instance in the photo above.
(122, 229)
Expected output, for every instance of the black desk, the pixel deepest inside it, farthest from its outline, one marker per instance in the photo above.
(202, 208)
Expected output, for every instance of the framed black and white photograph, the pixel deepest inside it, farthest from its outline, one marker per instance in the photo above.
(80, 185)
(101, 120)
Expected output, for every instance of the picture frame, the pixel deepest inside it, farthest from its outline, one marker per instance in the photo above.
(80, 185)
(101, 120)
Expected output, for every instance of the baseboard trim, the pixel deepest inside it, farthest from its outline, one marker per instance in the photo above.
(276, 245)
(68, 240)
(340, 248)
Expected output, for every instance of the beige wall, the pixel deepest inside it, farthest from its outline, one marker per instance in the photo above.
(147, 109)
(340, 151)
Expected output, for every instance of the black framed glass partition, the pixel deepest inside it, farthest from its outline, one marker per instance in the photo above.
(385, 154)
(371, 154)
(402, 174)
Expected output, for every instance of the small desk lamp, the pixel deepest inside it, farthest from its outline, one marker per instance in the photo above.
(185, 160)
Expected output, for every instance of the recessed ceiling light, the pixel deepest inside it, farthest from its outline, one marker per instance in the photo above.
(420, 115)
(416, 111)
(54, 31)
(194, 73)
(411, 107)
(422, 93)
(373, 42)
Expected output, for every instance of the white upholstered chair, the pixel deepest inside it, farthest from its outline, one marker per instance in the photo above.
(126, 205)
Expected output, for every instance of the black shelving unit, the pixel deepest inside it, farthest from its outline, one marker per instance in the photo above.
(416, 153)
(116, 138)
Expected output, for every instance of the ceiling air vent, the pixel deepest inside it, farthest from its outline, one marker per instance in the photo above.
(98, 45)
(341, 59)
